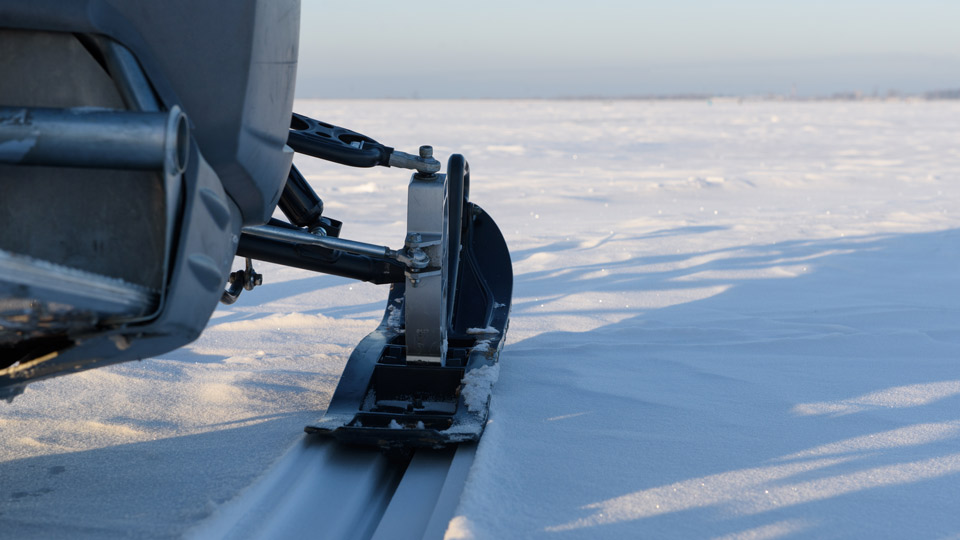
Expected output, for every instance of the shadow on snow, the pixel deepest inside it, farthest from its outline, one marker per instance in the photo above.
(783, 405)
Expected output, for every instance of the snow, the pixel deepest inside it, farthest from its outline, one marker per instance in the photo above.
(395, 317)
(487, 330)
(477, 385)
(482, 345)
(730, 320)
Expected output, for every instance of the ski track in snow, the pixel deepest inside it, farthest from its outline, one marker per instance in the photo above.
(729, 321)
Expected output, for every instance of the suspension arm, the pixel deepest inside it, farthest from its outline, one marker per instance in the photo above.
(300, 249)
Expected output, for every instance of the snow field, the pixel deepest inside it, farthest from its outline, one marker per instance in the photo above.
(729, 321)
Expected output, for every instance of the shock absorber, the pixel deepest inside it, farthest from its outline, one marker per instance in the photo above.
(304, 208)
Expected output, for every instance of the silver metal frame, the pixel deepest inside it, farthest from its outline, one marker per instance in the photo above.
(98, 138)
(425, 304)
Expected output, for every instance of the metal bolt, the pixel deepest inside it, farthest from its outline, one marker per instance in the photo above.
(426, 152)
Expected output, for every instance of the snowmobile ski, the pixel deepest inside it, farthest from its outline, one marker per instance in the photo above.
(406, 385)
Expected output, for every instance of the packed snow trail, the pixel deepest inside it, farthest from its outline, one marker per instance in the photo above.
(324, 489)
(730, 320)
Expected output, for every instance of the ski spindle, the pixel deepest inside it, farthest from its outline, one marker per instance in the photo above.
(427, 288)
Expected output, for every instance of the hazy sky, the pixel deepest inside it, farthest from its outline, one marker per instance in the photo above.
(498, 48)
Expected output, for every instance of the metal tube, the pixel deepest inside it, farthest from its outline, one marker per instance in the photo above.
(318, 259)
(92, 137)
(302, 237)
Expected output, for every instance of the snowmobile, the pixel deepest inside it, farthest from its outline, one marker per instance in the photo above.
(145, 145)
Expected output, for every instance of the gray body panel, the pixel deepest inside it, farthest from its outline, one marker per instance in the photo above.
(231, 69)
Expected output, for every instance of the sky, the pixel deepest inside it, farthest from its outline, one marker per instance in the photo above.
(613, 48)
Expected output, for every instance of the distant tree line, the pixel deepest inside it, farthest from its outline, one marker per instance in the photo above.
(943, 94)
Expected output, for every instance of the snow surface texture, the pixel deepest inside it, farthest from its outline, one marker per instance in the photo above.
(730, 321)
(477, 385)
